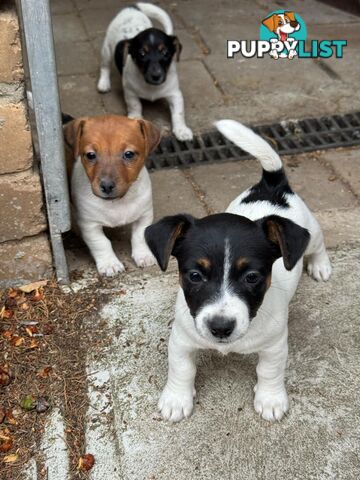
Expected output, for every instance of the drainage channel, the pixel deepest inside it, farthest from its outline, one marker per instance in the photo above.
(288, 138)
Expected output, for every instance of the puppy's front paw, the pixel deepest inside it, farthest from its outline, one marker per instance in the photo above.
(110, 267)
(319, 267)
(183, 133)
(271, 405)
(143, 258)
(104, 85)
(174, 406)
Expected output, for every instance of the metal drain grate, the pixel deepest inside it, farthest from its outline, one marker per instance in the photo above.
(288, 137)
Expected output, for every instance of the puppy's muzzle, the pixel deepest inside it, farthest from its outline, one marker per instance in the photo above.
(108, 189)
(155, 75)
(221, 327)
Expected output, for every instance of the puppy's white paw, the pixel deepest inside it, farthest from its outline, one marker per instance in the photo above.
(182, 133)
(319, 267)
(104, 85)
(270, 405)
(174, 406)
(143, 258)
(110, 267)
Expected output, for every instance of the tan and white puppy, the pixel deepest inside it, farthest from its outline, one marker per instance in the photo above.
(110, 185)
(282, 24)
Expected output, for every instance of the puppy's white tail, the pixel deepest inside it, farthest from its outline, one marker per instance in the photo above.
(158, 14)
(252, 143)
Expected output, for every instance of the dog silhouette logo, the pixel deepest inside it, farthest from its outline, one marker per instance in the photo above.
(283, 29)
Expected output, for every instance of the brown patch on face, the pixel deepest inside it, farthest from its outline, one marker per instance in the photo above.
(109, 137)
(161, 47)
(204, 262)
(268, 281)
(241, 263)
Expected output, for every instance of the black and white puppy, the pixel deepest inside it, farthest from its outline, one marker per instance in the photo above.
(238, 273)
(145, 57)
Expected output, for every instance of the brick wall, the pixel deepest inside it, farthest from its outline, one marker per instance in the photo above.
(24, 245)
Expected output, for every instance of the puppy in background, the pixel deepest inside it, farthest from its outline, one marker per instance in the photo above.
(110, 185)
(238, 273)
(145, 58)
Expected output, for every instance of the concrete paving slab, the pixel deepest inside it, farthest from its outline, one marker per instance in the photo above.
(346, 164)
(76, 61)
(223, 182)
(172, 193)
(225, 438)
(68, 28)
(59, 7)
(54, 448)
(340, 227)
(78, 95)
(227, 11)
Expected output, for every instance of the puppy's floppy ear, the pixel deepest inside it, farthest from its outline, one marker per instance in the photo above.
(162, 236)
(290, 238)
(270, 23)
(151, 134)
(120, 55)
(72, 134)
(291, 15)
(178, 47)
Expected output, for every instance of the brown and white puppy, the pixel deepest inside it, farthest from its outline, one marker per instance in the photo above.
(110, 185)
(282, 24)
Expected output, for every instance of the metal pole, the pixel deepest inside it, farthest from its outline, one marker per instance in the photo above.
(39, 41)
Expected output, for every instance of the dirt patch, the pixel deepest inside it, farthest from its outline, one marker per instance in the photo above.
(43, 345)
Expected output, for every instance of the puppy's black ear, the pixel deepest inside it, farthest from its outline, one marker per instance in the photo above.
(290, 238)
(178, 47)
(162, 236)
(121, 53)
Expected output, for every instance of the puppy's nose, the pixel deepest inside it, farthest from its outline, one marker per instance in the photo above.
(107, 186)
(294, 23)
(221, 327)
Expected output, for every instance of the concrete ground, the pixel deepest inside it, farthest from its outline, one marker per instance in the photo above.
(225, 439)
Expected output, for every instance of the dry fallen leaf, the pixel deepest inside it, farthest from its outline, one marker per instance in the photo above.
(10, 458)
(45, 372)
(86, 462)
(5, 375)
(7, 334)
(31, 329)
(6, 312)
(6, 445)
(33, 344)
(17, 341)
(30, 287)
(38, 295)
(9, 418)
(2, 415)
(24, 306)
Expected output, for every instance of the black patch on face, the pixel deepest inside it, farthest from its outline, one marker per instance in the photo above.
(208, 238)
(272, 187)
(152, 51)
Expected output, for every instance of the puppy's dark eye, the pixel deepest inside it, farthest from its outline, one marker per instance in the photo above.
(142, 53)
(128, 155)
(91, 156)
(164, 52)
(195, 277)
(252, 277)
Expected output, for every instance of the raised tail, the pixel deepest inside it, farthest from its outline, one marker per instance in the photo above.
(158, 14)
(252, 143)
